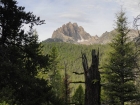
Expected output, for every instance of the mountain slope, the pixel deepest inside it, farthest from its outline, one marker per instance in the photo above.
(72, 33)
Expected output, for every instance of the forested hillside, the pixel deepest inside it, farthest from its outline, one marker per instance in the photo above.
(70, 54)
(69, 57)
(59, 73)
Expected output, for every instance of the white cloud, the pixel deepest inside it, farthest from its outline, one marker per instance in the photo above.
(96, 16)
(130, 6)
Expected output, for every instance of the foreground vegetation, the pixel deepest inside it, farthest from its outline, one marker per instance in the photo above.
(34, 73)
(21, 59)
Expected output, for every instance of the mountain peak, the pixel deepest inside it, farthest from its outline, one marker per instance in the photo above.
(71, 31)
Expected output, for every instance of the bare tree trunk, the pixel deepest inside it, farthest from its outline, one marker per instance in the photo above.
(92, 80)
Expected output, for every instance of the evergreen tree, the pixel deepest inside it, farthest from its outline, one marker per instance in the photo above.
(119, 70)
(54, 60)
(56, 79)
(78, 97)
(21, 58)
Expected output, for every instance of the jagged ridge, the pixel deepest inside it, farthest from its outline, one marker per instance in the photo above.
(72, 33)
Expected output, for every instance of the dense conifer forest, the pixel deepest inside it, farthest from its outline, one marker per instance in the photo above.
(51, 73)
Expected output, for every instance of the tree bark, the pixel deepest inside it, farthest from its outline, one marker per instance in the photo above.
(92, 79)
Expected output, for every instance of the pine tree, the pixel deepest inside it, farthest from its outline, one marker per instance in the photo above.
(21, 58)
(120, 75)
(56, 79)
(78, 96)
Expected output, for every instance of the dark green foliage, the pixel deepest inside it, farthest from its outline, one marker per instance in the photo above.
(78, 97)
(54, 61)
(121, 65)
(55, 77)
(21, 58)
(71, 54)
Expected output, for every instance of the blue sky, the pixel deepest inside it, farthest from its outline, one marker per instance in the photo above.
(95, 16)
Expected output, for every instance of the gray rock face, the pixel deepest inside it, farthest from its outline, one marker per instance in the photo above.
(108, 36)
(72, 32)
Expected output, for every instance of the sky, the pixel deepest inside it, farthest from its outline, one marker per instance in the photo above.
(95, 16)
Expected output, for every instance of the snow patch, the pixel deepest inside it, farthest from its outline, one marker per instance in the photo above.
(82, 40)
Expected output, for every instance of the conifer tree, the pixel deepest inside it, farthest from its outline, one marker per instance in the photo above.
(21, 58)
(121, 65)
(78, 96)
(55, 76)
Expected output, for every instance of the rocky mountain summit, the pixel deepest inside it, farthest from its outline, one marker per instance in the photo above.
(108, 36)
(72, 33)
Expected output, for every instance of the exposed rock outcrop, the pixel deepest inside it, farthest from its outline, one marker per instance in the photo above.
(71, 32)
(108, 36)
